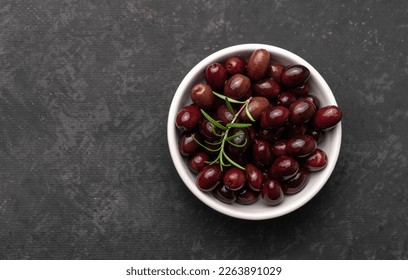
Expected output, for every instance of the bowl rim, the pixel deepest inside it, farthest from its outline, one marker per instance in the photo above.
(178, 159)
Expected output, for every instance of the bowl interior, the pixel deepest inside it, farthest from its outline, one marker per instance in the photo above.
(257, 211)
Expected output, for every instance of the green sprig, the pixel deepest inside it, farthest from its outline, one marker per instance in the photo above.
(223, 159)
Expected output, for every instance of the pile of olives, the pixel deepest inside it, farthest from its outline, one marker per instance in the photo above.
(252, 129)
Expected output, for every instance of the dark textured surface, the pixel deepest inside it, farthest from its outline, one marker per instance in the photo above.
(85, 88)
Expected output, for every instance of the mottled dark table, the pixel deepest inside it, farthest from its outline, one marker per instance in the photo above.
(85, 87)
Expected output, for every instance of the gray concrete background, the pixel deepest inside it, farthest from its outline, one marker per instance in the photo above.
(85, 87)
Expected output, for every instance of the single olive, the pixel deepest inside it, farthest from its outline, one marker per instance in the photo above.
(258, 64)
(327, 117)
(272, 193)
(202, 96)
(209, 178)
(257, 105)
(237, 87)
(216, 75)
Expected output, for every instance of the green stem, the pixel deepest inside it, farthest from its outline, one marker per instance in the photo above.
(225, 138)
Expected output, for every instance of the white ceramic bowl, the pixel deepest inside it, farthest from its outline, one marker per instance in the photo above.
(258, 210)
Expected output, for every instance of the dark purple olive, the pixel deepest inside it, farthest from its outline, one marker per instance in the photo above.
(224, 115)
(251, 133)
(278, 148)
(198, 161)
(272, 193)
(234, 178)
(202, 96)
(301, 145)
(239, 142)
(301, 111)
(283, 168)
(247, 196)
(257, 105)
(186, 144)
(275, 71)
(208, 130)
(315, 100)
(224, 195)
(303, 90)
(236, 65)
(216, 75)
(258, 64)
(327, 117)
(254, 177)
(297, 183)
(261, 153)
(274, 117)
(239, 136)
(188, 117)
(237, 87)
(267, 88)
(209, 178)
(294, 75)
(285, 98)
(315, 161)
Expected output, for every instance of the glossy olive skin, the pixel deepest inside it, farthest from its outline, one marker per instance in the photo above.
(202, 96)
(294, 75)
(297, 183)
(254, 177)
(187, 118)
(224, 115)
(316, 161)
(247, 196)
(267, 88)
(278, 148)
(327, 117)
(303, 90)
(216, 75)
(236, 65)
(301, 145)
(314, 99)
(274, 117)
(237, 87)
(283, 168)
(275, 71)
(301, 111)
(198, 161)
(207, 129)
(272, 193)
(257, 105)
(209, 178)
(286, 98)
(258, 64)
(261, 153)
(187, 145)
(234, 178)
(223, 194)
(242, 139)
(251, 134)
